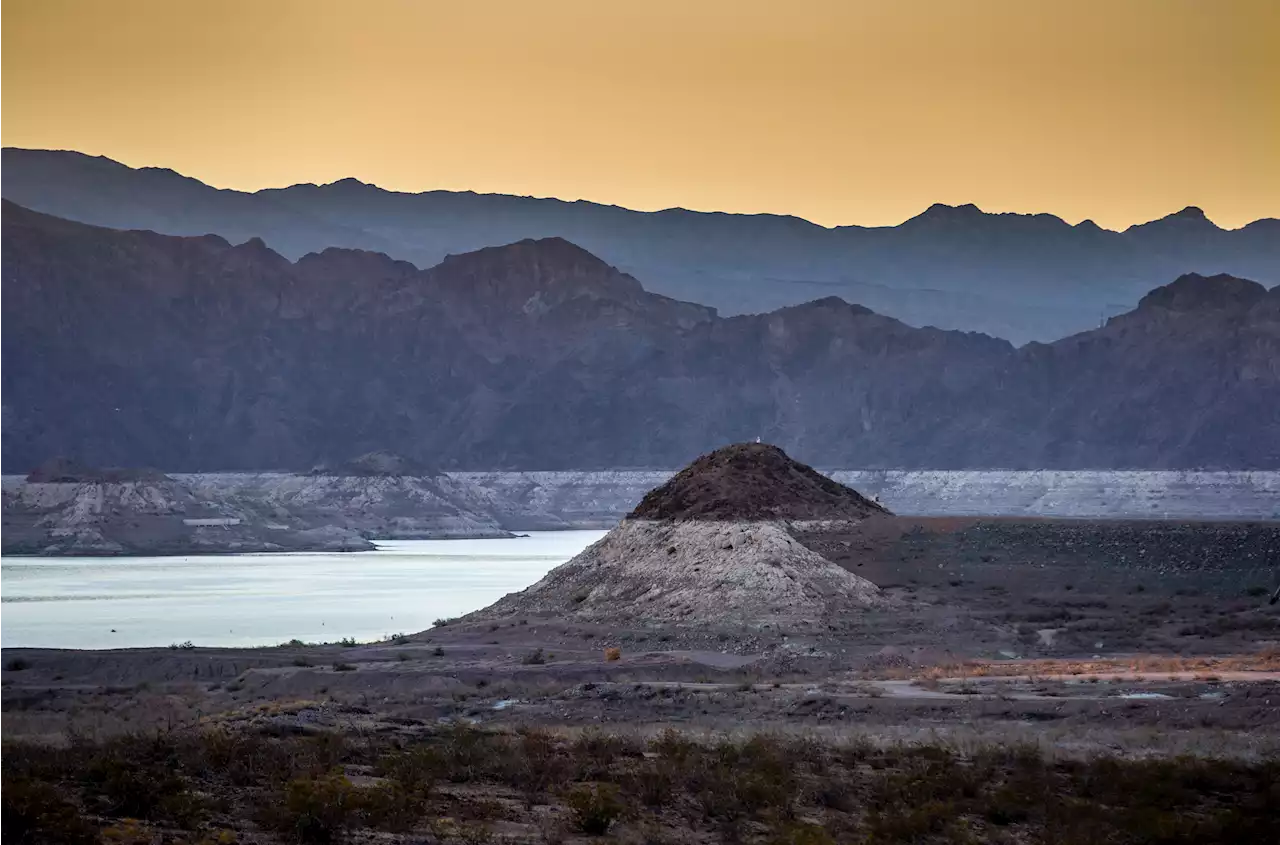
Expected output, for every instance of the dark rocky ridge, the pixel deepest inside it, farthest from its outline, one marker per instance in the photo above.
(67, 471)
(138, 349)
(379, 464)
(753, 481)
(1017, 276)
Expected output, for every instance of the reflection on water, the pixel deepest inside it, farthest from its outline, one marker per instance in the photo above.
(266, 599)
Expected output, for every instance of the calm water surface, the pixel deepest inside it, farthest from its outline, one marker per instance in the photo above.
(266, 599)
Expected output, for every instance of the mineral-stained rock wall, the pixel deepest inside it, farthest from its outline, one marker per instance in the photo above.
(600, 499)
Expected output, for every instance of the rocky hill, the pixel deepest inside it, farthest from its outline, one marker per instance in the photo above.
(713, 548)
(138, 349)
(752, 481)
(1017, 276)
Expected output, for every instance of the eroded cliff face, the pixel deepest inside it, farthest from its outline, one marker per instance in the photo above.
(152, 517)
(278, 510)
(600, 499)
(383, 507)
(65, 508)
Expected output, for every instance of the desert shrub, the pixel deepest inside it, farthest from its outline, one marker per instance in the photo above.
(835, 793)
(416, 770)
(135, 777)
(444, 623)
(594, 808)
(34, 813)
(538, 761)
(438, 651)
(534, 658)
(17, 664)
(675, 747)
(469, 754)
(315, 810)
(653, 782)
(391, 807)
(301, 661)
(595, 753)
(343, 667)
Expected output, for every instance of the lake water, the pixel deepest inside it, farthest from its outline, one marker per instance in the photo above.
(266, 599)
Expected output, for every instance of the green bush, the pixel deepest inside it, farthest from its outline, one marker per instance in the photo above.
(416, 770)
(316, 810)
(594, 808)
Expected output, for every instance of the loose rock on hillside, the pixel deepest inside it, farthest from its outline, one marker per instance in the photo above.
(712, 548)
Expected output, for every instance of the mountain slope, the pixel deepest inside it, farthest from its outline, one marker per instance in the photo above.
(1188, 379)
(191, 354)
(1020, 277)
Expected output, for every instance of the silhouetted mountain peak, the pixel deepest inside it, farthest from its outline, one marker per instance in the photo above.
(535, 274)
(1194, 292)
(943, 213)
(545, 256)
(350, 185)
(1190, 220)
(827, 304)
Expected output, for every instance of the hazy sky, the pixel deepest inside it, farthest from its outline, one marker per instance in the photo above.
(838, 111)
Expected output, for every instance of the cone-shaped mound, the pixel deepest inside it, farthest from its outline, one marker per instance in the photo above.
(753, 481)
(712, 548)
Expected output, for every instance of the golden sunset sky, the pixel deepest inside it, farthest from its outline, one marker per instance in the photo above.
(837, 111)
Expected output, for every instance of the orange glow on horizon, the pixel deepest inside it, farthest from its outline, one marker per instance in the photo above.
(839, 112)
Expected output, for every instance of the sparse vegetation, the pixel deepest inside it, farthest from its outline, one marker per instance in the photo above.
(789, 791)
(594, 808)
(343, 667)
(534, 658)
(17, 664)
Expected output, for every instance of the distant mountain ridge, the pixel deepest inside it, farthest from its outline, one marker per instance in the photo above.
(1015, 276)
(129, 348)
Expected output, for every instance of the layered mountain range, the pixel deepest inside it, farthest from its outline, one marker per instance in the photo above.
(131, 348)
(1016, 276)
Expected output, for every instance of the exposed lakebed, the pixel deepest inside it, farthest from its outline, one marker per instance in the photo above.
(266, 599)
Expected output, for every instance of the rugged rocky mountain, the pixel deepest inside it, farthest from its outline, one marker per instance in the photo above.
(1190, 378)
(712, 548)
(193, 354)
(1017, 276)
